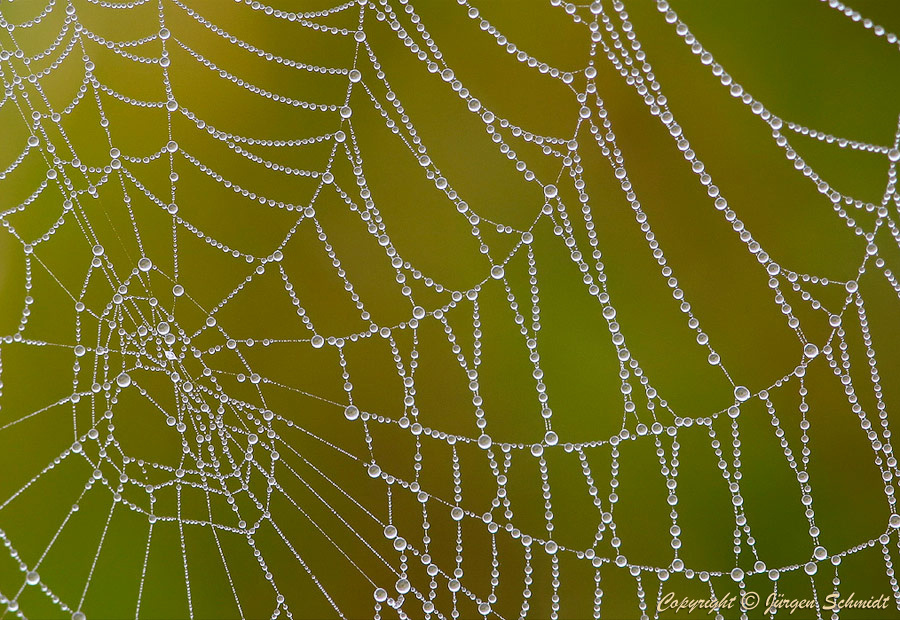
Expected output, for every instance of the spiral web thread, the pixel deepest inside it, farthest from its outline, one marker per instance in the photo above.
(240, 444)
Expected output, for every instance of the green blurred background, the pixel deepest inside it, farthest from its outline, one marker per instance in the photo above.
(807, 63)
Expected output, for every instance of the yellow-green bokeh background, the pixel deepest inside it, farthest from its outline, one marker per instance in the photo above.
(807, 63)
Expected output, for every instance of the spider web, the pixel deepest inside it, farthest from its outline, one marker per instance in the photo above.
(387, 501)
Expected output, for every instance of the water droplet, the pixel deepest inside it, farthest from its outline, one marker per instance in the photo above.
(811, 568)
(355, 75)
(484, 442)
(741, 393)
(317, 341)
(97, 250)
(178, 290)
(895, 521)
(402, 586)
(737, 574)
(123, 380)
(894, 155)
(380, 595)
(810, 350)
(351, 412)
(550, 191)
(32, 578)
(346, 112)
(551, 438)
(145, 264)
(497, 272)
(457, 513)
